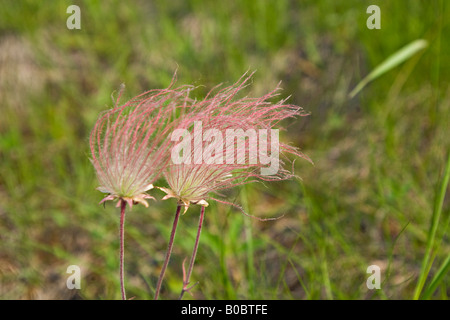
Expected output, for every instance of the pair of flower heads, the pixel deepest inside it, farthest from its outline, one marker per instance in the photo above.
(199, 146)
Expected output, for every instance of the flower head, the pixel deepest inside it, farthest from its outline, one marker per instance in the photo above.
(129, 144)
(225, 142)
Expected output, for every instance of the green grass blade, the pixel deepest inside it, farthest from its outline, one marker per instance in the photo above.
(391, 62)
(437, 279)
(299, 277)
(249, 244)
(439, 201)
(326, 275)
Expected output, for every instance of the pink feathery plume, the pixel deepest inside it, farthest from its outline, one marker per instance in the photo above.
(227, 141)
(129, 144)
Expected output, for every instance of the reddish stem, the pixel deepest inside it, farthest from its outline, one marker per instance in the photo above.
(194, 253)
(122, 223)
(169, 252)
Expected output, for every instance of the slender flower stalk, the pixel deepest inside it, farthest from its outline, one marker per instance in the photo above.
(121, 236)
(187, 276)
(168, 252)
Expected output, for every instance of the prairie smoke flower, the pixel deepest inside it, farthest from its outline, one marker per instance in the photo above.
(129, 144)
(225, 143)
(129, 149)
(216, 134)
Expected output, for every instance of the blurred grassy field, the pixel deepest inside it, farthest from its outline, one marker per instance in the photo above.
(370, 199)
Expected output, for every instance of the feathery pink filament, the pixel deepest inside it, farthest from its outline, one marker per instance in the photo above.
(129, 143)
(218, 116)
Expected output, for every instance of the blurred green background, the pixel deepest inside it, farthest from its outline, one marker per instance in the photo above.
(375, 195)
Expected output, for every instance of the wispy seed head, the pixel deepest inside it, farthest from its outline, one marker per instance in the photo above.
(129, 145)
(218, 115)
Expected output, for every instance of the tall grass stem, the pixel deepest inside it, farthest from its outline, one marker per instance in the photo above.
(438, 204)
